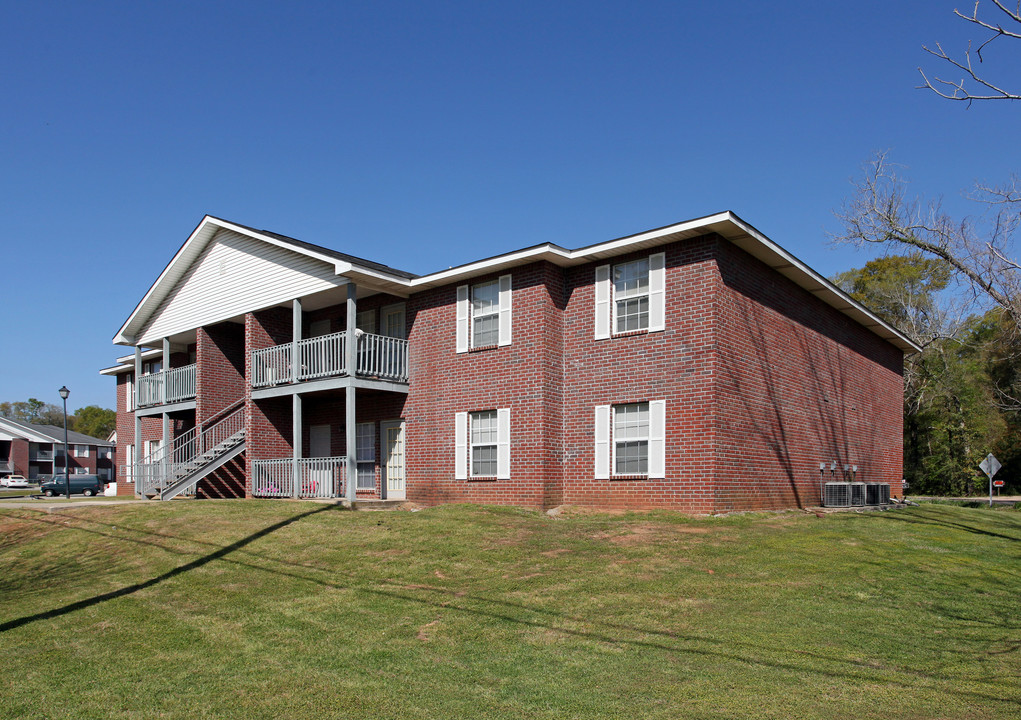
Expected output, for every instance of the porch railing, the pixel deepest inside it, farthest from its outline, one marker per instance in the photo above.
(166, 386)
(152, 473)
(325, 356)
(317, 477)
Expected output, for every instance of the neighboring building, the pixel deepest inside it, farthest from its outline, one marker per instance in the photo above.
(698, 366)
(36, 450)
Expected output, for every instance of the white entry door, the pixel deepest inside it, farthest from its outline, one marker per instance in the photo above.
(318, 480)
(392, 440)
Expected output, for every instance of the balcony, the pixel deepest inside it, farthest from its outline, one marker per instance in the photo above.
(44, 455)
(377, 356)
(166, 387)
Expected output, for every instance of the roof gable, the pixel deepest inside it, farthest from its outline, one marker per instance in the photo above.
(235, 274)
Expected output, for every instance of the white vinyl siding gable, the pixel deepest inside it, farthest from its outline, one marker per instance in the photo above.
(234, 275)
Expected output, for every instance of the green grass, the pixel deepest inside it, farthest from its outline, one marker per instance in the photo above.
(234, 609)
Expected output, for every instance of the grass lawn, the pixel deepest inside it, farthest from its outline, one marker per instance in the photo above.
(266, 609)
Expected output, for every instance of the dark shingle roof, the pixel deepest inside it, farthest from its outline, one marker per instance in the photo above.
(57, 433)
(362, 262)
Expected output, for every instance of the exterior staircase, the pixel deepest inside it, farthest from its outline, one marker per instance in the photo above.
(195, 454)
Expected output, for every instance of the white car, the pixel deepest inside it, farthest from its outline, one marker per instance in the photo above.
(16, 481)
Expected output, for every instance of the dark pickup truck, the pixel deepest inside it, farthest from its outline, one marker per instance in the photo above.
(87, 485)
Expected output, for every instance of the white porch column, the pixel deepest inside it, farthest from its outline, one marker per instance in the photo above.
(350, 363)
(166, 446)
(295, 443)
(296, 398)
(295, 338)
(163, 376)
(138, 421)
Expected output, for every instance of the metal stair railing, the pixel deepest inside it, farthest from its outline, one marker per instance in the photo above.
(157, 470)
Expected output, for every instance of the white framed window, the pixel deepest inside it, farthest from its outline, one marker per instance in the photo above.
(630, 440)
(484, 314)
(81, 451)
(129, 393)
(630, 297)
(482, 429)
(104, 453)
(366, 321)
(482, 444)
(150, 367)
(365, 455)
(81, 471)
(393, 324)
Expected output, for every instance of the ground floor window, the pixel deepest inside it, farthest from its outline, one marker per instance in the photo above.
(482, 444)
(365, 437)
(630, 440)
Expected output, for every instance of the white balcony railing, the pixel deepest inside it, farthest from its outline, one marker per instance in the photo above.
(377, 356)
(167, 386)
(317, 477)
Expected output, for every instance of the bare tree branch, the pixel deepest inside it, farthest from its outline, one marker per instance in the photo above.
(955, 89)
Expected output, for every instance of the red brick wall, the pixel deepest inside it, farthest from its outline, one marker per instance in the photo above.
(798, 383)
(522, 376)
(674, 365)
(220, 368)
(125, 433)
(19, 457)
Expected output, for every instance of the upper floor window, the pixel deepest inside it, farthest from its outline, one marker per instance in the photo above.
(150, 367)
(630, 297)
(81, 451)
(484, 314)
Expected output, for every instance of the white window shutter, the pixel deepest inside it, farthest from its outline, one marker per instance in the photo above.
(461, 446)
(505, 310)
(503, 444)
(462, 318)
(603, 313)
(657, 439)
(602, 442)
(657, 292)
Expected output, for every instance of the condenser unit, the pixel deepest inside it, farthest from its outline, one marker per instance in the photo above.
(857, 494)
(877, 494)
(837, 494)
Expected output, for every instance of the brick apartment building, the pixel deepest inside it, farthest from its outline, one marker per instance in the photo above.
(35, 451)
(698, 366)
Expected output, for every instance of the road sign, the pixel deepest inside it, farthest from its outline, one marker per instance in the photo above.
(997, 483)
(990, 466)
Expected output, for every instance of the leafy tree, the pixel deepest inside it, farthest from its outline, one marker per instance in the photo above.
(95, 421)
(36, 412)
(950, 417)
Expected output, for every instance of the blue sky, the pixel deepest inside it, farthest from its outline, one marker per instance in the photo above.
(428, 134)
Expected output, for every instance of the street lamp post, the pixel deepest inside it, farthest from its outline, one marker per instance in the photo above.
(64, 392)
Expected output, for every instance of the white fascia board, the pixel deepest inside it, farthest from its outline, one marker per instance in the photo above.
(19, 430)
(202, 234)
(819, 286)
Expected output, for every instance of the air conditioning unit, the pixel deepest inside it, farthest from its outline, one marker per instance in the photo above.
(877, 494)
(857, 494)
(837, 494)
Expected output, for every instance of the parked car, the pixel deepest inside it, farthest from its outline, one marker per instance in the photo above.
(16, 481)
(87, 485)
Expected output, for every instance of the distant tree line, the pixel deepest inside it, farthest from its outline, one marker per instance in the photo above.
(952, 284)
(90, 420)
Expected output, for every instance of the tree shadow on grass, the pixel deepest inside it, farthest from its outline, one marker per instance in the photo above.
(500, 609)
(130, 589)
(921, 517)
